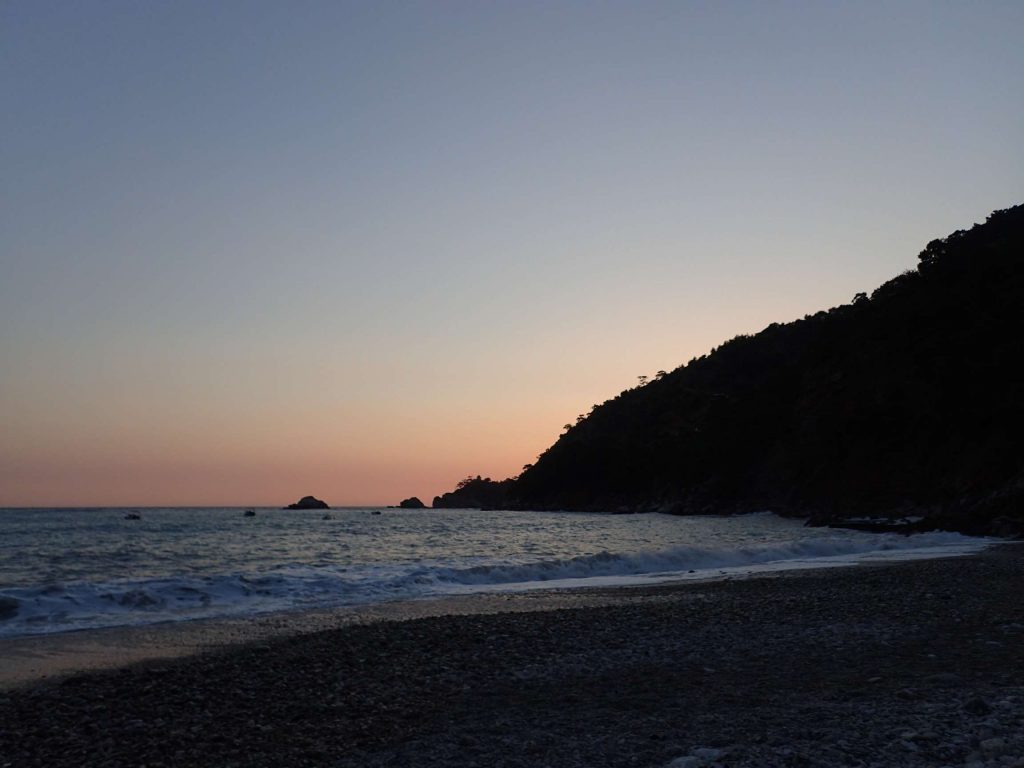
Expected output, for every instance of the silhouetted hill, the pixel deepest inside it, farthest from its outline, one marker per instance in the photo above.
(905, 402)
(476, 492)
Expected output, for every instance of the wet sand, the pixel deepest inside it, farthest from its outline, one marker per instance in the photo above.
(917, 664)
(50, 657)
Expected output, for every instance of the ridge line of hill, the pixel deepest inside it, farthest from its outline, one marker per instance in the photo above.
(903, 403)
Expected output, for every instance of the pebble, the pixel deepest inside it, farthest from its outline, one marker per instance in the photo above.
(944, 678)
(993, 746)
(700, 756)
(977, 706)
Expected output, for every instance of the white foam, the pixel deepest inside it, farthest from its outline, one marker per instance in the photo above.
(78, 605)
(678, 559)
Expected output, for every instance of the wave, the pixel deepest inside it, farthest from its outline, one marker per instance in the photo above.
(61, 607)
(685, 559)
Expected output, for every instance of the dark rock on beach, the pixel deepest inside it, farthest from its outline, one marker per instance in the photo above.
(412, 503)
(308, 502)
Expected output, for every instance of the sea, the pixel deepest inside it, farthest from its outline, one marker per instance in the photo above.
(71, 569)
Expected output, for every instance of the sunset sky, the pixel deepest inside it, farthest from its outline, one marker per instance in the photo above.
(254, 250)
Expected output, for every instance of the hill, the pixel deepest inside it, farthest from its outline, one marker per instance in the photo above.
(904, 402)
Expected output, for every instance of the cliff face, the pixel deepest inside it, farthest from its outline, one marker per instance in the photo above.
(907, 401)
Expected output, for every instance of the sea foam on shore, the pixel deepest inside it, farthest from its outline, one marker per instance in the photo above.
(185, 564)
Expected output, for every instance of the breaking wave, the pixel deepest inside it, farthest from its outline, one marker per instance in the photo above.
(685, 559)
(57, 607)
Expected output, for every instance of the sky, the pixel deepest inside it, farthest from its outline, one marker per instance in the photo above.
(256, 250)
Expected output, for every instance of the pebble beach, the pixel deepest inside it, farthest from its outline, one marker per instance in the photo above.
(906, 664)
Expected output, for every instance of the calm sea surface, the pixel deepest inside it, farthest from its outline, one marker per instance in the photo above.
(66, 569)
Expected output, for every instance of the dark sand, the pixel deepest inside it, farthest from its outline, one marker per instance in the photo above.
(43, 658)
(917, 664)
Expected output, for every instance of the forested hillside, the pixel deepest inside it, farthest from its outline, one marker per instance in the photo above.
(907, 401)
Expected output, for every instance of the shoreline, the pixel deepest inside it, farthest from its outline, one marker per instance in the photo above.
(51, 657)
(918, 663)
(48, 658)
(45, 657)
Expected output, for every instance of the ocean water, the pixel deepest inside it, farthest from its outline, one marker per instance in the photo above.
(68, 569)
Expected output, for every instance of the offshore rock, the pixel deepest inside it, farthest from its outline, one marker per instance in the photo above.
(308, 502)
(412, 503)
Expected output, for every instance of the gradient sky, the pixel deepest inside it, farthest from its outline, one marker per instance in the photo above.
(253, 250)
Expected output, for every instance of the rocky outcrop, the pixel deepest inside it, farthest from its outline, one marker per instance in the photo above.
(477, 493)
(412, 503)
(308, 502)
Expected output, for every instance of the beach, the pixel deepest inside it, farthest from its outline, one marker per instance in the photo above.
(905, 664)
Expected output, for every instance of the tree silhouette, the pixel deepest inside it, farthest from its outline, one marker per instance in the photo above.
(909, 400)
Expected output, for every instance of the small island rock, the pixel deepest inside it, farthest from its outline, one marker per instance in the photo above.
(412, 503)
(308, 502)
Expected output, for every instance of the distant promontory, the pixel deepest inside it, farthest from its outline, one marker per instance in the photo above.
(477, 493)
(905, 402)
